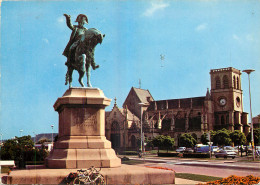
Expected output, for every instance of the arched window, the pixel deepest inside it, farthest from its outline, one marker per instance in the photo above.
(238, 83)
(222, 120)
(234, 82)
(227, 118)
(216, 120)
(133, 141)
(115, 127)
(225, 82)
(218, 84)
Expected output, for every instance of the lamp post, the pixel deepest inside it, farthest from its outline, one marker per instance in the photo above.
(248, 71)
(0, 156)
(21, 132)
(34, 137)
(52, 134)
(1, 138)
(1, 141)
(141, 104)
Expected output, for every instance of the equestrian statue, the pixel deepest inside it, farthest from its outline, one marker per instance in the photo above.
(80, 49)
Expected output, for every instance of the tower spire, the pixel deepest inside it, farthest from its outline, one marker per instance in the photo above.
(115, 100)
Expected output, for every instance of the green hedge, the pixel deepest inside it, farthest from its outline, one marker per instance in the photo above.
(128, 153)
(196, 155)
(175, 154)
(185, 155)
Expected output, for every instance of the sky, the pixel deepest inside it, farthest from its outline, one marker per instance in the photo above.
(168, 46)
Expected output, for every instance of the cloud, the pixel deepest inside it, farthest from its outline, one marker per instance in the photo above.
(154, 8)
(249, 37)
(45, 40)
(234, 36)
(61, 19)
(201, 27)
(244, 38)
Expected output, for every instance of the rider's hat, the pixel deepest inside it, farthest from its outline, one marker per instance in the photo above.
(82, 17)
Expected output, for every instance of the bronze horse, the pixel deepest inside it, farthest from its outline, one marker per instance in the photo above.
(82, 57)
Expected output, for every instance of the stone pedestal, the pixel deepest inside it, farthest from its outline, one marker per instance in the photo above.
(81, 140)
(125, 174)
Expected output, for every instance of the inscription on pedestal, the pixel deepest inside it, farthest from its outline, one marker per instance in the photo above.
(85, 121)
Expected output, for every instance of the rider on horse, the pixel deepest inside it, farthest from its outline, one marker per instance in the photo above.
(77, 32)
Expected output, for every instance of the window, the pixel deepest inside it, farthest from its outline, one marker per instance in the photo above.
(218, 84)
(238, 83)
(225, 82)
(216, 120)
(234, 82)
(115, 126)
(222, 120)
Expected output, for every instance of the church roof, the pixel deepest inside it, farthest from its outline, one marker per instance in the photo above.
(130, 115)
(143, 94)
(195, 102)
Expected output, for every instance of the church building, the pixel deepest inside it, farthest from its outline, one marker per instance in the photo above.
(221, 107)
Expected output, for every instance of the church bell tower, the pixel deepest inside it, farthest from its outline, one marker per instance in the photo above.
(227, 99)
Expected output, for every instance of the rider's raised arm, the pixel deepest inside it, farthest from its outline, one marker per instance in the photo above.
(68, 21)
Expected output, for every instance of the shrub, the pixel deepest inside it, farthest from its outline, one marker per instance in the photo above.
(237, 180)
(128, 153)
(196, 155)
(175, 154)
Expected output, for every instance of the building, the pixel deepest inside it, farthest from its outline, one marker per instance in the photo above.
(256, 121)
(221, 107)
(123, 124)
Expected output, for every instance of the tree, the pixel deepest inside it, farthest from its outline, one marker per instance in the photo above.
(168, 142)
(21, 149)
(256, 133)
(186, 140)
(238, 137)
(17, 149)
(221, 137)
(163, 142)
(204, 139)
(158, 141)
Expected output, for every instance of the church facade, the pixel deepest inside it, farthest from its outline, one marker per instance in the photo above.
(221, 107)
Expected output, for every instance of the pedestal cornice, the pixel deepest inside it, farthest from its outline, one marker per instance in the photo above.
(82, 96)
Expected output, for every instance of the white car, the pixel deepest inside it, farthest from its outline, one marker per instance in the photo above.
(180, 149)
(225, 154)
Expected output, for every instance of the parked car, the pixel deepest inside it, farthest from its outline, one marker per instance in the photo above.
(205, 148)
(214, 148)
(189, 150)
(180, 149)
(231, 148)
(225, 154)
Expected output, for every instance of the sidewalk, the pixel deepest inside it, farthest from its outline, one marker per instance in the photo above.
(186, 181)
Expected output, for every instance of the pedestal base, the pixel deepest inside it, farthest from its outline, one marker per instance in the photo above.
(126, 174)
(83, 152)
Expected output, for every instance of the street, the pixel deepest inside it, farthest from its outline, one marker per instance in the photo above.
(216, 168)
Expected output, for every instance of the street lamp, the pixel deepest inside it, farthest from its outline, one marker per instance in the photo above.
(248, 71)
(1, 139)
(141, 104)
(52, 135)
(34, 137)
(21, 132)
